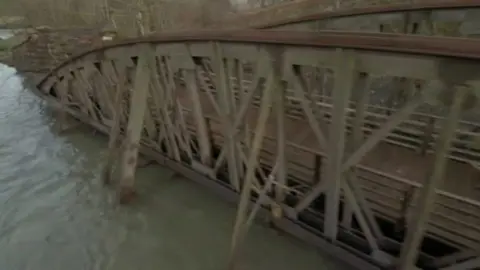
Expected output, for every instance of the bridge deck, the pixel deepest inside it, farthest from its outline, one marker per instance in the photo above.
(399, 162)
(389, 171)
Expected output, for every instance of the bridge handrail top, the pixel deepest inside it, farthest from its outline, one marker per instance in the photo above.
(448, 47)
(375, 10)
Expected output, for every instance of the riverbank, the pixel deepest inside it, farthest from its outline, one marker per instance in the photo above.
(9, 40)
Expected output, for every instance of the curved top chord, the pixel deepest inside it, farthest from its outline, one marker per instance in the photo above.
(420, 45)
(377, 10)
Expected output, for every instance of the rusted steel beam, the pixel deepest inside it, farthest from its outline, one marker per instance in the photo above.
(138, 108)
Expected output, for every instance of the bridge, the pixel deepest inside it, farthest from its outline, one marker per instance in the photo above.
(356, 131)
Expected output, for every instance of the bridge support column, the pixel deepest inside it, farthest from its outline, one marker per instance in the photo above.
(205, 147)
(357, 137)
(223, 69)
(138, 105)
(344, 78)
(416, 229)
(114, 147)
(240, 226)
(281, 174)
(63, 94)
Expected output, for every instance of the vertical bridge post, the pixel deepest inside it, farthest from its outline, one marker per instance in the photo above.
(241, 221)
(344, 77)
(138, 106)
(417, 227)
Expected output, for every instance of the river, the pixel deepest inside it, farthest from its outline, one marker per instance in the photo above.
(56, 214)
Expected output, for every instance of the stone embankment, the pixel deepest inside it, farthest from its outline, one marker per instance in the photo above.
(46, 48)
(35, 52)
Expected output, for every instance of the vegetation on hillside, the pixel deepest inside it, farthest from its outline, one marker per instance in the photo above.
(128, 17)
(140, 17)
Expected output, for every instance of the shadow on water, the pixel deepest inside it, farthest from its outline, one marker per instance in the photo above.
(55, 214)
